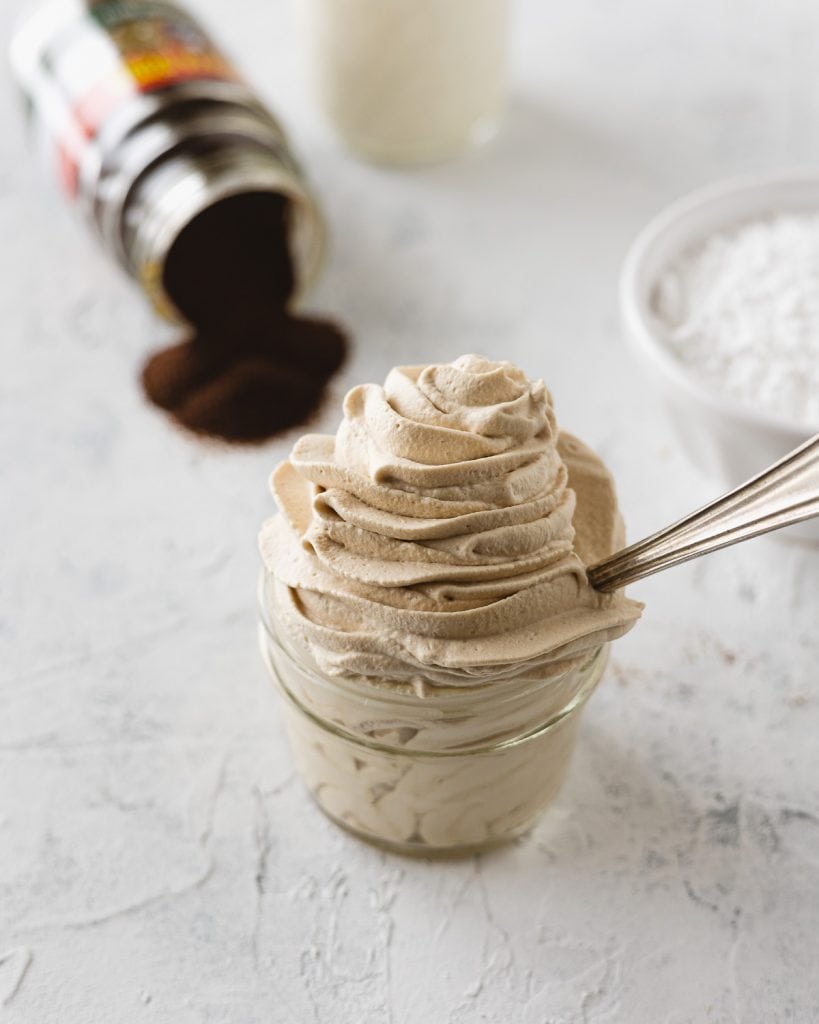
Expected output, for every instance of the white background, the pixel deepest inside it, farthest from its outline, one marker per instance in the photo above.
(159, 862)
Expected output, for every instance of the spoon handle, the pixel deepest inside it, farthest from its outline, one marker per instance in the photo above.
(785, 493)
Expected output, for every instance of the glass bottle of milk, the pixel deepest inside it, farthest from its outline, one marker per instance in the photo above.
(409, 81)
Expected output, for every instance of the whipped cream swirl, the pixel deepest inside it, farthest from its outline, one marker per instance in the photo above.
(440, 537)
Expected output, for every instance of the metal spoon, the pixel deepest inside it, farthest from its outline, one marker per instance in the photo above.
(786, 493)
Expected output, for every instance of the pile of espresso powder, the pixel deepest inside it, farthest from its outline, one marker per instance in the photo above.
(250, 368)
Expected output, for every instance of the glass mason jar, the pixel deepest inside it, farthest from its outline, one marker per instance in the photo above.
(454, 770)
(409, 81)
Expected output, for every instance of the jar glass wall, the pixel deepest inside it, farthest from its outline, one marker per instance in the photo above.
(443, 770)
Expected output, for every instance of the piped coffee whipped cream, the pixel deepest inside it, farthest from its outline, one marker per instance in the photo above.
(441, 537)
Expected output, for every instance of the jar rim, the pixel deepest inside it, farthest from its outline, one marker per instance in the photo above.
(212, 178)
(442, 693)
(494, 699)
(594, 669)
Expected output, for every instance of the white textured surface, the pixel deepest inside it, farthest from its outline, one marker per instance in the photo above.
(158, 861)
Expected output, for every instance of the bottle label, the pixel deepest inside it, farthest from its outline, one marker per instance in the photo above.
(159, 44)
(81, 67)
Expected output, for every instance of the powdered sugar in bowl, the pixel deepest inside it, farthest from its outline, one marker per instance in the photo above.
(720, 303)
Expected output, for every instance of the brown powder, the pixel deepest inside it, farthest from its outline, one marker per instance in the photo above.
(250, 368)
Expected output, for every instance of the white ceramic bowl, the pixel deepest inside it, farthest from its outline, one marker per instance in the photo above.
(730, 441)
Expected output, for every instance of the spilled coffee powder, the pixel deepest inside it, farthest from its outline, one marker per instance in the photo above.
(250, 369)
